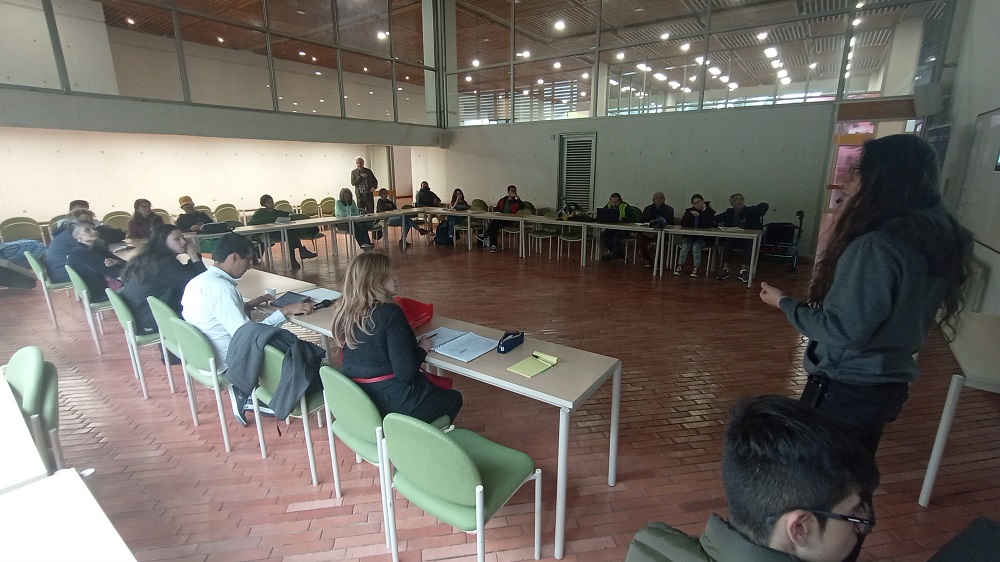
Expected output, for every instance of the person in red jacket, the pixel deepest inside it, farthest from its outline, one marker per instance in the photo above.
(510, 205)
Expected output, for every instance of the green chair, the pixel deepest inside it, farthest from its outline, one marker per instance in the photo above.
(512, 230)
(543, 232)
(167, 219)
(47, 286)
(328, 207)
(206, 210)
(91, 310)
(267, 381)
(479, 205)
(459, 477)
(529, 206)
(35, 383)
(168, 340)
(132, 340)
(228, 213)
(283, 205)
(567, 234)
(20, 228)
(198, 360)
(318, 235)
(117, 219)
(309, 207)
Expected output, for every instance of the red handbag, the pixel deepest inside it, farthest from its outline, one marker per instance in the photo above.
(417, 313)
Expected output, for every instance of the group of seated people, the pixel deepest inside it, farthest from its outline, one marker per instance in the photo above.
(699, 215)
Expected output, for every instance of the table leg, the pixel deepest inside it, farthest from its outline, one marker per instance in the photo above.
(616, 402)
(351, 241)
(521, 252)
(753, 261)
(583, 244)
(656, 256)
(286, 251)
(563, 458)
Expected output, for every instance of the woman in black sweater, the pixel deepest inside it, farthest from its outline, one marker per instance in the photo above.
(95, 264)
(380, 351)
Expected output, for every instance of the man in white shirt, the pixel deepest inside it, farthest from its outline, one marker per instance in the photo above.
(213, 305)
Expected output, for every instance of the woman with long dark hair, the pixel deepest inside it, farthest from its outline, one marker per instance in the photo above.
(144, 220)
(896, 259)
(156, 271)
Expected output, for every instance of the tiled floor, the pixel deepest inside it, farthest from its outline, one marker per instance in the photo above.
(690, 347)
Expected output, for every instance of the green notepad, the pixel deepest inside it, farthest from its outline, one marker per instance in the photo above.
(533, 365)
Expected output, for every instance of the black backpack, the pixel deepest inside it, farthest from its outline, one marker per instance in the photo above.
(441, 237)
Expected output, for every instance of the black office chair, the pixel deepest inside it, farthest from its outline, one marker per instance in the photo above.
(781, 240)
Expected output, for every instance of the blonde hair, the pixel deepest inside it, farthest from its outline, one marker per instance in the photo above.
(364, 287)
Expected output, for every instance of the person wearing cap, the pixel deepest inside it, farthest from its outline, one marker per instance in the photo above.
(191, 220)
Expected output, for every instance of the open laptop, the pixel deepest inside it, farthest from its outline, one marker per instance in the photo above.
(607, 215)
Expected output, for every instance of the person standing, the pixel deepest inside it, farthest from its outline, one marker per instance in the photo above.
(365, 184)
(897, 259)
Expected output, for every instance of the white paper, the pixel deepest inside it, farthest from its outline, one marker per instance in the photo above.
(442, 336)
(467, 347)
(320, 294)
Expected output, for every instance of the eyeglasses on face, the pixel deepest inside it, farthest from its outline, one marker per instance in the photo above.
(862, 525)
(853, 171)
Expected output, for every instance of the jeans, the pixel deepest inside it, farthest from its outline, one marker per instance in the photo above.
(689, 244)
(452, 222)
(612, 241)
(406, 222)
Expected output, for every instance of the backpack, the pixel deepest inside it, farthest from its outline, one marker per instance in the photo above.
(441, 235)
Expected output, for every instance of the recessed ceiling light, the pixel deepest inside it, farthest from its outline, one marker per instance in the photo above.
(771, 52)
(300, 12)
(524, 92)
(813, 65)
(318, 73)
(130, 21)
(557, 64)
(475, 62)
(583, 94)
(382, 34)
(660, 76)
(852, 40)
(613, 82)
(714, 71)
(302, 53)
(699, 60)
(371, 93)
(776, 63)
(762, 35)
(723, 79)
(847, 75)
(782, 73)
(686, 90)
(856, 22)
(267, 85)
(560, 25)
(468, 79)
(693, 78)
(400, 89)
(322, 101)
(366, 69)
(407, 78)
(295, 103)
(620, 56)
(664, 36)
(221, 40)
(345, 97)
(850, 55)
(626, 88)
(314, 59)
(585, 75)
(685, 46)
(786, 80)
(314, 111)
(540, 81)
(674, 84)
(860, 5)
(733, 85)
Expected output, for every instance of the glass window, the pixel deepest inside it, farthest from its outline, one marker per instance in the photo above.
(312, 19)
(367, 87)
(306, 74)
(27, 51)
(85, 46)
(364, 26)
(628, 23)
(652, 80)
(143, 51)
(481, 40)
(483, 96)
(416, 98)
(544, 30)
(248, 13)
(226, 65)
(409, 32)
(553, 89)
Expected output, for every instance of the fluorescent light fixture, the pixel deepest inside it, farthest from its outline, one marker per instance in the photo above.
(786, 80)
(723, 79)
(685, 46)
(664, 36)
(714, 71)
(613, 82)
(856, 22)
(674, 84)
(782, 73)
(585, 75)
(699, 60)
(475, 62)
(762, 35)
(382, 34)
(620, 56)
(541, 81)
(771, 52)
(813, 65)
(776, 63)
(468, 79)
(660, 76)
(560, 25)
(557, 64)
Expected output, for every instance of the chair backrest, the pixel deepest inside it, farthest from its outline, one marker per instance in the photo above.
(20, 228)
(206, 210)
(528, 205)
(525, 212)
(355, 413)
(283, 205)
(79, 285)
(24, 375)
(309, 207)
(329, 206)
(162, 314)
(270, 369)
(167, 219)
(633, 214)
(428, 458)
(55, 219)
(227, 212)
(478, 205)
(117, 219)
(37, 267)
(123, 312)
(195, 347)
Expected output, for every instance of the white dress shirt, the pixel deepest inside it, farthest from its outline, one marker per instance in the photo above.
(213, 305)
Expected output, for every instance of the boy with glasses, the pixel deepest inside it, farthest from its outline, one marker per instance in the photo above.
(798, 488)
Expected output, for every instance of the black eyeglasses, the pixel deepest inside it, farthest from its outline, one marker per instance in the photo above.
(863, 526)
(853, 171)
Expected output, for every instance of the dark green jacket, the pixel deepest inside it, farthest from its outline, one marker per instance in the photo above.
(720, 542)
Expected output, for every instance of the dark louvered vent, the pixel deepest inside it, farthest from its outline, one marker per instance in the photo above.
(576, 169)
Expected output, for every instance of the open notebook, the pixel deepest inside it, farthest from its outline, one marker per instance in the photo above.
(463, 346)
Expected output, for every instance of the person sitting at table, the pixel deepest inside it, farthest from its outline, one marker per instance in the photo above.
(657, 209)
(611, 238)
(425, 197)
(90, 257)
(380, 352)
(509, 205)
(60, 225)
(267, 214)
(57, 254)
(212, 304)
(143, 219)
(155, 271)
(739, 215)
(458, 203)
(797, 486)
(384, 204)
(346, 207)
(192, 220)
(699, 215)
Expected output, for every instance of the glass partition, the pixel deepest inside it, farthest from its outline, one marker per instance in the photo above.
(226, 64)
(306, 76)
(143, 51)
(364, 26)
(27, 58)
(416, 100)
(308, 19)
(483, 96)
(367, 87)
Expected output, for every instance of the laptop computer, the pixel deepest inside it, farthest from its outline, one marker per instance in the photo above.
(607, 215)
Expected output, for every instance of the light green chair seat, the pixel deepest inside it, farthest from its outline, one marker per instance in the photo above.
(168, 340)
(133, 341)
(47, 286)
(90, 309)
(198, 359)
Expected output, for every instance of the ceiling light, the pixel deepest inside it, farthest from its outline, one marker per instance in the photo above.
(221, 40)
(813, 65)
(345, 97)
(400, 89)
(527, 54)
(407, 78)
(782, 73)
(776, 63)
(613, 82)
(468, 79)
(733, 85)
(282, 97)
(664, 36)
(382, 34)
(300, 12)
(660, 76)
(318, 73)
(295, 103)
(620, 56)
(848, 67)
(931, 59)
(557, 64)
(786, 80)
(674, 84)
(583, 94)
(686, 90)
(699, 60)
(693, 78)
(475, 62)
(685, 46)
(850, 55)
(560, 25)
(856, 22)
(366, 69)
(847, 75)
(524, 92)
(585, 75)
(762, 35)
(371, 93)
(852, 40)
(626, 88)
(541, 81)
(322, 101)
(860, 5)
(130, 21)
(314, 59)
(724, 79)
(302, 53)
(714, 71)
(771, 52)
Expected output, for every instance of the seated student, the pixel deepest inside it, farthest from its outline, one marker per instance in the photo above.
(380, 352)
(191, 220)
(57, 254)
(611, 238)
(510, 205)
(267, 214)
(740, 216)
(657, 209)
(458, 203)
(798, 488)
(699, 215)
(425, 197)
(385, 204)
(346, 207)
(155, 271)
(62, 223)
(143, 220)
(213, 305)
(98, 267)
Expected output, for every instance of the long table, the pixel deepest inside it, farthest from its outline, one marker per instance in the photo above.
(566, 386)
(674, 231)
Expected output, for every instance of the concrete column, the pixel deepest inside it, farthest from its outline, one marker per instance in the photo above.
(901, 63)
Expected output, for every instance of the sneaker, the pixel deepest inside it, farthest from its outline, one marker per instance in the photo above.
(648, 265)
(481, 238)
(723, 274)
(262, 407)
(677, 270)
(493, 249)
(367, 247)
(306, 254)
(694, 272)
(607, 257)
(423, 231)
(744, 276)
(238, 413)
